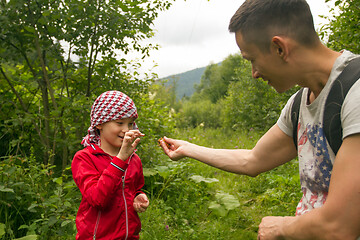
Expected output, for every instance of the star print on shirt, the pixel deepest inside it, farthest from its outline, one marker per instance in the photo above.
(317, 173)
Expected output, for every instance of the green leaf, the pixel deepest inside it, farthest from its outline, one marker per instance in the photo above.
(2, 229)
(29, 237)
(229, 201)
(52, 220)
(164, 171)
(23, 227)
(148, 172)
(46, 13)
(66, 222)
(218, 209)
(58, 180)
(198, 178)
(4, 189)
(29, 29)
(32, 206)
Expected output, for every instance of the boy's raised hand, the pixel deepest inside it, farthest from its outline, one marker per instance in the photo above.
(130, 141)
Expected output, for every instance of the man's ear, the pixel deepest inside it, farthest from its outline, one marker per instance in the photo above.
(99, 127)
(280, 46)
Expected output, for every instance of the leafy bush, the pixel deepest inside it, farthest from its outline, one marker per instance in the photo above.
(182, 202)
(52, 68)
(251, 103)
(36, 202)
(343, 29)
(228, 97)
(155, 121)
(201, 113)
(216, 78)
(190, 200)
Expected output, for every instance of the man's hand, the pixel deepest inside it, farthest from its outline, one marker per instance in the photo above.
(270, 228)
(141, 202)
(173, 148)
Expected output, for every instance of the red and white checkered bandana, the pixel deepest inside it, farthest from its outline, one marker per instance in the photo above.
(110, 105)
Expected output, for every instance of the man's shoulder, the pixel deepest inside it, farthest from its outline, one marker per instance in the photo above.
(343, 60)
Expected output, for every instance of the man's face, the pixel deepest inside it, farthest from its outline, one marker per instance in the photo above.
(265, 65)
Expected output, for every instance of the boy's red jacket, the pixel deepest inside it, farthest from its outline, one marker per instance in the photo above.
(106, 210)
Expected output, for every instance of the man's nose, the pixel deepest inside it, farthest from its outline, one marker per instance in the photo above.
(255, 73)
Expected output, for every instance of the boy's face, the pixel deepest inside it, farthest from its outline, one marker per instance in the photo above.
(112, 133)
(265, 65)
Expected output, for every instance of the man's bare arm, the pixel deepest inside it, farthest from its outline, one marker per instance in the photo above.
(273, 149)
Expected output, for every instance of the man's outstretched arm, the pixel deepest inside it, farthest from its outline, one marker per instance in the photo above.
(273, 149)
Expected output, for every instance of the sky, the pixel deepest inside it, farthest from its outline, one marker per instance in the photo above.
(194, 34)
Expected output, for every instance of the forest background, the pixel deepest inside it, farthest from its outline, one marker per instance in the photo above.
(56, 57)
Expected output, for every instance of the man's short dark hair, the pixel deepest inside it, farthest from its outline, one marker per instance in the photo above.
(259, 20)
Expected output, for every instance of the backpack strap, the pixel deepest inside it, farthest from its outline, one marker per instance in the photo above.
(332, 121)
(295, 110)
(332, 115)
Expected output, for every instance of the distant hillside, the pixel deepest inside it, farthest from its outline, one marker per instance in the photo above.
(185, 81)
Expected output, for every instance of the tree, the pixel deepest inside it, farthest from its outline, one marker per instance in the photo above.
(56, 57)
(217, 77)
(251, 103)
(229, 97)
(343, 30)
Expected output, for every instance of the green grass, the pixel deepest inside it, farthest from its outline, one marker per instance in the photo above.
(179, 207)
(188, 199)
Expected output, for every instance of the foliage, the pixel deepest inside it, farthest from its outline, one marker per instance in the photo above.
(155, 120)
(165, 92)
(56, 57)
(229, 97)
(190, 200)
(200, 113)
(343, 30)
(217, 77)
(36, 202)
(251, 103)
(224, 203)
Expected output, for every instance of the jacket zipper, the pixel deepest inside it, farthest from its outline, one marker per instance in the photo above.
(97, 224)
(123, 192)
(126, 213)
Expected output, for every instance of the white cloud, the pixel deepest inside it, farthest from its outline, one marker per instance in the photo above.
(194, 33)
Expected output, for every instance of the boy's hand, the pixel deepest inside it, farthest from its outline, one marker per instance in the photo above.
(141, 202)
(130, 141)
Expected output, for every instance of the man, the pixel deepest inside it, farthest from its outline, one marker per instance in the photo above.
(279, 39)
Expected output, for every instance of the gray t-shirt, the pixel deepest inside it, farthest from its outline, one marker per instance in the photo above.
(316, 158)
